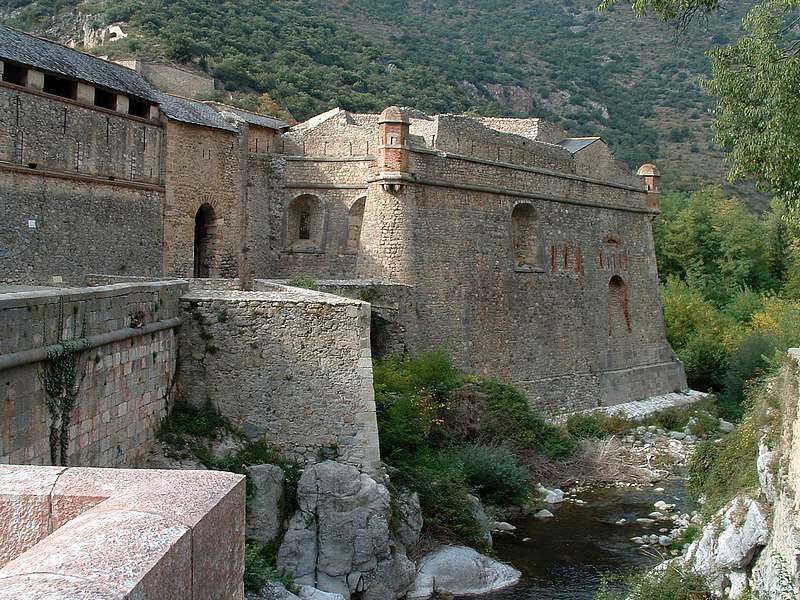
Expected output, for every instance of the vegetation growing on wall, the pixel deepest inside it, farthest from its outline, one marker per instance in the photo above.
(61, 383)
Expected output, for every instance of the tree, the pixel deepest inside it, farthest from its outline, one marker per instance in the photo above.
(755, 80)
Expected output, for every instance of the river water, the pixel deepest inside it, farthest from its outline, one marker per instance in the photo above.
(566, 556)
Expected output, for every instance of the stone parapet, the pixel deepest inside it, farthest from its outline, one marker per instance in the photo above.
(114, 534)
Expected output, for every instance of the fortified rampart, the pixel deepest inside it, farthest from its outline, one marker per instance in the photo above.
(290, 365)
(124, 371)
(526, 253)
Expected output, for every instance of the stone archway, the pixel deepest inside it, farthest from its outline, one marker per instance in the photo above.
(205, 224)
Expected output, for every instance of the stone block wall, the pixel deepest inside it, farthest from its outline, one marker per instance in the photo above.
(290, 365)
(55, 229)
(124, 375)
(335, 186)
(57, 134)
(118, 533)
(203, 167)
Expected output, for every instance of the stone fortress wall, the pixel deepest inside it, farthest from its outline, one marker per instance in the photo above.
(125, 371)
(528, 255)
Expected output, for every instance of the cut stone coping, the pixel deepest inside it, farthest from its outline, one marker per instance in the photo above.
(279, 294)
(641, 409)
(57, 294)
(72, 533)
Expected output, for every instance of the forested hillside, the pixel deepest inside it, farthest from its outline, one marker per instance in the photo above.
(633, 81)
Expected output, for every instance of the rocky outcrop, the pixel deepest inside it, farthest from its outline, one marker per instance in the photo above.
(265, 502)
(461, 571)
(408, 519)
(339, 539)
(725, 551)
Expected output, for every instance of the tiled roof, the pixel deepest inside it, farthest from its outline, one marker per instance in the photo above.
(577, 144)
(193, 112)
(49, 56)
(250, 117)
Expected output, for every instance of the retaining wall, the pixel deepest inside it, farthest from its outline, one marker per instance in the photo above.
(124, 375)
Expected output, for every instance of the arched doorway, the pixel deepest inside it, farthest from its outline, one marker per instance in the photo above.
(204, 230)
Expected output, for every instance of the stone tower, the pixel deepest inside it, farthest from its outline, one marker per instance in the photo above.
(652, 179)
(386, 250)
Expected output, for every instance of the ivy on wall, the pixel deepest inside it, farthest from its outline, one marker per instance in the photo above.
(61, 385)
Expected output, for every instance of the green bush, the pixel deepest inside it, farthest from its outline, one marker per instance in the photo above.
(260, 569)
(494, 475)
(585, 426)
(706, 362)
(508, 418)
(753, 358)
(670, 584)
(304, 282)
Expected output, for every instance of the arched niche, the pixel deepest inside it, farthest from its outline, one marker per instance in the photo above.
(354, 219)
(305, 223)
(619, 315)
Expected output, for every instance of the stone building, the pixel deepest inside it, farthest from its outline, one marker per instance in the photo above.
(526, 253)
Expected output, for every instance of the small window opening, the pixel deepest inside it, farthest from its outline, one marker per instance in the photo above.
(105, 99)
(304, 228)
(58, 86)
(15, 74)
(138, 108)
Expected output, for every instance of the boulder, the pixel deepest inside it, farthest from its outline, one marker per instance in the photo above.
(306, 592)
(338, 540)
(272, 591)
(501, 527)
(476, 508)
(555, 496)
(408, 519)
(726, 427)
(544, 514)
(265, 503)
(461, 571)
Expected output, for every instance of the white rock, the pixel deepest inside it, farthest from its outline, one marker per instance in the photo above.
(544, 514)
(725, 426)
(738, 584)
(461, 571)
(306, 592)
(741, 537)
(665, 540)
(645, 521)
(555, 496)
(663, 506)
(501, 526)
(766, 478)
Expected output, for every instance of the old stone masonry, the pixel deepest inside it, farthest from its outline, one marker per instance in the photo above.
(156, 248)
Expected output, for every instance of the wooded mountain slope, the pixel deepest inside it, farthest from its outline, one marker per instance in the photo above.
(633, 81)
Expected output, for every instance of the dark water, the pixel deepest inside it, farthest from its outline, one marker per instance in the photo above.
(566, 556)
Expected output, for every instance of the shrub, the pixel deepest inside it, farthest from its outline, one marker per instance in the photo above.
(509, 418)
(438, 477)
(494, 475)
(671, 583)
(706, 362)
(585, 426)
(750, 361)
(304, 282)
(260, 569)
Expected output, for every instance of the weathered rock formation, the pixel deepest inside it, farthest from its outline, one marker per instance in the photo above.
(339, 538)
(461, 571)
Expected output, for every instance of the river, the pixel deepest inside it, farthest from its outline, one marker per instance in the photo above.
(565, 557)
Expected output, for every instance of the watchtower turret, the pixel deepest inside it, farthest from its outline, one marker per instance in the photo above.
(652, 181)
(393, 151)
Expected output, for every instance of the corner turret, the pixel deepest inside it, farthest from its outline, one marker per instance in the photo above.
(652, 181)
(393, 151)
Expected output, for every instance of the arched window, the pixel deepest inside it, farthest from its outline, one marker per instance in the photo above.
(205, 226)
(523, 234)
(619, 316)
(354, 219)
(305, 223)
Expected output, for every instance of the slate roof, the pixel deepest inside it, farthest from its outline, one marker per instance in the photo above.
(49, 56)
(575, 145)
(250, 117)
(193, 112)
